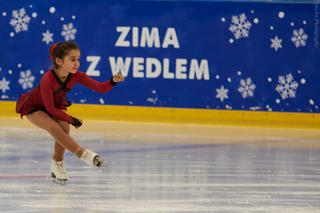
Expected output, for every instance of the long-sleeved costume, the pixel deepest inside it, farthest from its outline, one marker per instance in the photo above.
(50, 95)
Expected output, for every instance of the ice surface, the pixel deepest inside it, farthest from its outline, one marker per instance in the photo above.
(228, 172)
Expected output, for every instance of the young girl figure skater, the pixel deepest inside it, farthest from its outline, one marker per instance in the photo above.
(46, 105)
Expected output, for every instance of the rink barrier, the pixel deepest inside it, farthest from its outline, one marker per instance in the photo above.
(187, 116)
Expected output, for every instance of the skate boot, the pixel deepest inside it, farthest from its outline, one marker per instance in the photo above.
(91, 158)
(58, 173)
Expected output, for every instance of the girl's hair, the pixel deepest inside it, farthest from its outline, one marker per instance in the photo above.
(60, 50)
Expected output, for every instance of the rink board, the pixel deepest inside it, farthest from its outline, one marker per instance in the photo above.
(192, 116)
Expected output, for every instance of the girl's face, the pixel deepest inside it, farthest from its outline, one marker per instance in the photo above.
(71, 62)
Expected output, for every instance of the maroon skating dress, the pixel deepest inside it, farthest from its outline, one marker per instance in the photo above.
(50, 95)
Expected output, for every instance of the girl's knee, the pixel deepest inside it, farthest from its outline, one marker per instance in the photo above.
(65, 126)
(53, 128)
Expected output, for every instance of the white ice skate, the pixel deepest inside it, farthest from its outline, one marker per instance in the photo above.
(58, 173)
(91, 158)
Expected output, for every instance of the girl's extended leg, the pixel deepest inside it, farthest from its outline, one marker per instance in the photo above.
(44, 121)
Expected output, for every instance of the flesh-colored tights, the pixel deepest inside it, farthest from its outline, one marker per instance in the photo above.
(59, 130)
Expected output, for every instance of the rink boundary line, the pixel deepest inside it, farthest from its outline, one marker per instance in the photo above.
(185, 116)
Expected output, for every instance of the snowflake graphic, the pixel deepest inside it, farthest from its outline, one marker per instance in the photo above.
(101, 100)
(20, 20)
(240, 26)
(47, 37)
(222, 93)
(4, 85)
(69, 32)
(276, 43)
(246, 88)
(26, 79)
(299, 38)
(287, 86)
(154, 99)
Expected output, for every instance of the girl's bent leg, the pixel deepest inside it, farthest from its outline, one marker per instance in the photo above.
(44, 121)
(58, 151)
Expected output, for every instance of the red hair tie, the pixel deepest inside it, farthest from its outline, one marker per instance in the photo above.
(52, 48)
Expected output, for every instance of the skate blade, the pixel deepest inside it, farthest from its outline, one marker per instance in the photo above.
(58, 180)
(98, 161)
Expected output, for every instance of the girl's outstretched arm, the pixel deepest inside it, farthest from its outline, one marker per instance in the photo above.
(101, 87)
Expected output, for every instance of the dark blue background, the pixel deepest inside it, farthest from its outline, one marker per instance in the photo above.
(201, 35)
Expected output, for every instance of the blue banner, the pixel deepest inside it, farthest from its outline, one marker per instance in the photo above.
(184, 54)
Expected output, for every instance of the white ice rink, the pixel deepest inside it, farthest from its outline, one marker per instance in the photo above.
(164, 168)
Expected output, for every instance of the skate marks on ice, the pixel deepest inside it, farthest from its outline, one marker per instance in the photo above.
(159, 177)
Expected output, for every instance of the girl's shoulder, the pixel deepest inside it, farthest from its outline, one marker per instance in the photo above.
(48, 75)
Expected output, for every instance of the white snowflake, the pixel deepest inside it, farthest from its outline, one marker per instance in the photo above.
(240, 26)
(287, 86)
(276, 43)
(152, 100)
(20, 20)
(4, 85)
(47, 37)
(222, 93)
(299, 38)
(69, 32)
(246, 88)
(101, 100)
(26, 79)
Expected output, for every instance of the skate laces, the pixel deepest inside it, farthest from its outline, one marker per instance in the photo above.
(60, 167)
(86, 156)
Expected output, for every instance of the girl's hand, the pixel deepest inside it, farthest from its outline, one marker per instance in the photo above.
(76, 122)
(118, 77)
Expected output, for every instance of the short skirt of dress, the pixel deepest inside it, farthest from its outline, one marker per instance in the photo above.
(26, 105)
